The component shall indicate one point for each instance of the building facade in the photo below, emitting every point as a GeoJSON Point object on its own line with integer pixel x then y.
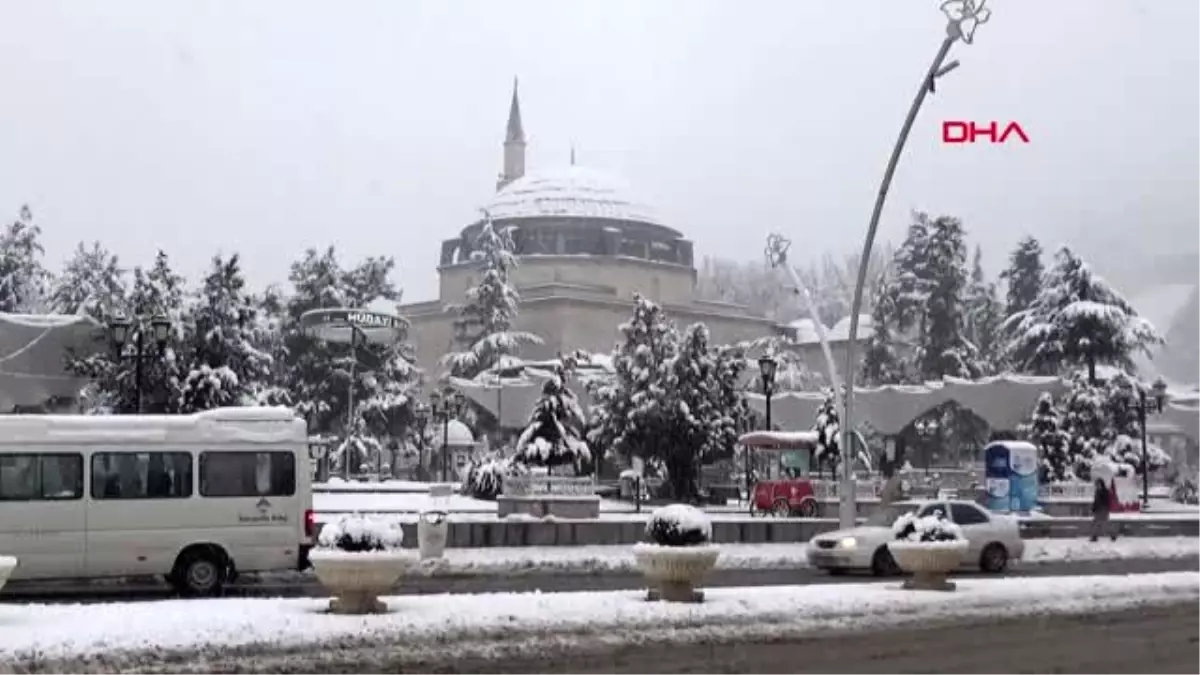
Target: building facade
{"type": "Point", "coordinates": [585, 243]}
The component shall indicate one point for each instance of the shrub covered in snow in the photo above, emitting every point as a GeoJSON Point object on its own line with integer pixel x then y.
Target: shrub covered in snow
{"type": "Point", "coordinates": [485, 478]}
{"type": "Point", "coordinates": [357, 533]}
{"type": "Point", "coordinates": [931, 528]}
{"type": "Point", "coordinates": [679, 525]}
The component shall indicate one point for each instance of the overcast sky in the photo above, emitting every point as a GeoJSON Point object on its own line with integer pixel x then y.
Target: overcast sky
{"type": "Point", "coordinates": [266, 127]}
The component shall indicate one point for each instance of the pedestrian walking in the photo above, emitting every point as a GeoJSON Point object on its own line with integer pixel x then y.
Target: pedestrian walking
{"type": "Point", "coordinates": [1101, 510]}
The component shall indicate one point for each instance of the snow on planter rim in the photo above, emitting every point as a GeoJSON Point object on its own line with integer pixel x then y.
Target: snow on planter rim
{"type": "Point", "coordinates": [904, 544]}
{"type": "Point", "coordinates": [333, 554]}
{"type": "Point", "coordinates": [386, 531]}
{"type": "Point", "coordinates": [686, 518]}
{"type": "Point", "coordinates": [133, 634]}
{"type": "Point", "coordinates": [7, 561]}
{"type": "Point", "coordinates": [679, 551]}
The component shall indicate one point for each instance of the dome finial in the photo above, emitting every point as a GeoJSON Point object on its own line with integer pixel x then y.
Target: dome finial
{"type": "Point", "coordinates": [572, 154]}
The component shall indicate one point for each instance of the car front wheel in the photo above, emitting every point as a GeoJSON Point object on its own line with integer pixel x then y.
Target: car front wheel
{"type": "Point", "coordinates": [994, 559]}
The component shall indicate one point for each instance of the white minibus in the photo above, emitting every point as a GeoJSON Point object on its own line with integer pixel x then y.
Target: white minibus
{"type": "Point", "coordinates": [194, 498]}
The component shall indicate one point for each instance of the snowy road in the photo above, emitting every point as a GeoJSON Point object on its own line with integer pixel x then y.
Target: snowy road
{"type": "Point", "coordinates": [304, 585]}
{"type": "Point", "coordinates": [1143, 640]}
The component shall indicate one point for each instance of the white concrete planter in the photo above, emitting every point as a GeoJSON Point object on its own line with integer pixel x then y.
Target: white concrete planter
{"type": "Point", "coordinates": [929, 562]}
{"type": "Point", "coordinates": [676, 570]}
{"type": "Point", "coordinates": [7, 565]}
{"type": "Point", "coordinates": [356, 580]}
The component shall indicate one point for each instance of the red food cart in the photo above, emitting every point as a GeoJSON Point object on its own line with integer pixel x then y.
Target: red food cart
{"type": "Point", "coordinates": [781, 460]}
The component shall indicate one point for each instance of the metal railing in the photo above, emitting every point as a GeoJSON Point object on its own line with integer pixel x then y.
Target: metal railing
{"type": "Point", "coordinates": [1072, 491]}
{"type": "Point", "coordinates": [829, 489]}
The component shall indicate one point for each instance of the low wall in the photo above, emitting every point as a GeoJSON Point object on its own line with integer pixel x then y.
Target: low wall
{"type": "Point", "coordinates": [746, 531]}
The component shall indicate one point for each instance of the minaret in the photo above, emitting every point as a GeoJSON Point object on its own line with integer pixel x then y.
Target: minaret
{"type": "Point", "coordinates": [514, 143]}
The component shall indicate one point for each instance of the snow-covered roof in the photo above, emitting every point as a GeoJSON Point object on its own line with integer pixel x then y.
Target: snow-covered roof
{"type": "Point", "coordinates": [841, 329]}
{"type": "Point", "coordinates": [457, 435]}
{"type": "Point", "coordinates": [806, 330]}
{"type": "Point", "coordinates": [571, 192]}
{"type": "Point", "coordinates": [242, 425]}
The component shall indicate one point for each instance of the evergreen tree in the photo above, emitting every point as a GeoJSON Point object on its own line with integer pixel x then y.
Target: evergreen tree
{"type": "Point", "coordinates": [628, 415]}
{"type": "Point", "coordinates": [318, 374]}
{"type": "Point", "coordinates": [1077, 319]}
{"type": "Point", "coordinates": [23, 279]}
{"type": "Point", "coordinates": [226, 367]}
{"type": "Point", "coordinates": [484, 326]}
{"type": "Point", "coordinates": [1023, 275]}
{"type": "Point", "coordinates": [1082, 418]}
{"type": "Point", "coordinates": [829, 431]}
{"type": "Point", "coordinates": [1122, 428]}
{"type": "Point", "coordinates": [913, 277]}
{"type": "Point", "coordinates": [156, 293]}
{"type": "Point", "coordinates": [882, 364]}
{"type": "Point", "coordinates": [92, 283]}
{"type": "Point", "coordinates": [1044, 432]}
{"type": "Point", "coordinates": [554, 436]}
{"type": "Point", "coordinates": [984, 318]}
{"type": "Point", "coordinates": [945, 349]}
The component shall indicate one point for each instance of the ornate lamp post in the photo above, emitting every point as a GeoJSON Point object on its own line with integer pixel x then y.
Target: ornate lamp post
{"type": "Point", "coordinates": [926, 429]}
{"type": "Point", "coordinates": [1156, 405]}
{"type": "Point", "coordinates": [421, 419]}
{"type": "Point", "coordinates": [964, 16]}
{"type": "Point", "coordinates": [767, 367]}
{"type": "Point", "coordinates": [445, 405]}
{"type": "Point", "coordinates": [122, 328]}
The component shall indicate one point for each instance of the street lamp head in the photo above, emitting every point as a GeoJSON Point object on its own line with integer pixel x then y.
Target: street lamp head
{"type": "Point", "coordinates": [421, 416]}
{"type": "Point", "coordinates": [965, 16]}
{"type": "Point", "coordinates": [1160, 393]}
{"type": "Point", "coordinates": [457, 403]}
{"type": "Point", "coordinates": [435, 401]}
{"type": "Point", "coordinates": [119, 328]}
{"type": "Point", "coordinates": [767, 365]}
{"type": "Point", "coordinates": [161, 328]}
{"type": "Point", "coordinates": [777, 249]}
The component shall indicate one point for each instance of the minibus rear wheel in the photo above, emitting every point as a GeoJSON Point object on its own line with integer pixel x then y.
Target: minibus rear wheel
{"type": "Point", "coordinates": [200, 571]}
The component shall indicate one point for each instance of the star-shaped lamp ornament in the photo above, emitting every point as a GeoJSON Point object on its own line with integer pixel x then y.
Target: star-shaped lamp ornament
{"type": "Point", "coordinates": [965, 16]}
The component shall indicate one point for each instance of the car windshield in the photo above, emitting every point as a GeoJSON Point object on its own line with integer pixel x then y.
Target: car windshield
{"type": "Point", "coordinates": [885, 516]}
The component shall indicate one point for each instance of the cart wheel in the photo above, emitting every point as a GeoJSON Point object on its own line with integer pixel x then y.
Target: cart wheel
{"type": "Point", "coordinates": [808, 509]}
{"type": "Point", "coordinates": [781, 508]}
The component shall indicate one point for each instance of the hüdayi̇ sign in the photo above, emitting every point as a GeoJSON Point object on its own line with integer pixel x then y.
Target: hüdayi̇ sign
{"type": "Point", "coordinates": [343, 324]}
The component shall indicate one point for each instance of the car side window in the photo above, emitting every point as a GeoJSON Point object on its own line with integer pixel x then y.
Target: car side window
{"type": "Point", "coordinates": [930, 509]}
{"type": "Point", "coordinates": [965, 514]}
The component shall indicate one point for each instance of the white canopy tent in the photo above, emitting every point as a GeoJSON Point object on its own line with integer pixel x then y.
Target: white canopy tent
{"type": "Point", "coordinates": [33, 350]}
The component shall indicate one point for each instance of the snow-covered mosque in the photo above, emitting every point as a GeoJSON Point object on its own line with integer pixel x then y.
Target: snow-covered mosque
{"type": "Point", "coordinates": [586, 242]}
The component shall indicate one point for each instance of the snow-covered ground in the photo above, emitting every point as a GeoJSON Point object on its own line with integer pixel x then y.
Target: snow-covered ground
{"type": "Point", "coordinates": [122, 635]}
{"type": "Point", "coordinates": [336, 484]}
{"type": "Point", "coordinates": [587, 559]}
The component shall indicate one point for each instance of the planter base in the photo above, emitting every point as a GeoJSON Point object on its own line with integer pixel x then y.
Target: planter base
{"type": "Point", "coordinates": [674, 592]}
{"type": "Point", "coordinates": [357, 603]}
{"type": "Point", "coordinates": [929, 581]}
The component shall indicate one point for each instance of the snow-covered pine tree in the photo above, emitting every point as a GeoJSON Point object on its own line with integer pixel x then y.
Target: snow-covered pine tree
{"type": "Point", "coordinates": [316, 394]}
{"type": "Point", "coordinates": [1121, 438]}
{"type": "Point", "coordinates": [113, 389]}
{"type": "Point", "coordinates": [1044, 431]}
{"type": "Point", "coordinates": [945, 348]}
{"type": "Point", "coordinates": [23, 279]}
{"type": "Point", "coordinates": [984, 318]}
{"type": "Point", "coordinates": [555, 433]}
{"type": "Point", "coordinates": [912, 275]}
{"type": "Point", "coordinates": [1077, 320]}
{"type": "Point", "coordinates": [628, 417]}
{"type": "Point", "coordinates": [1023, 275]}
{"type": "Point", "coordinates": [92, 283]}
{"type": "Point", "coordinates": [696, 427]}
{"type": "Point", "coordinates": [882, 363]}
{"type": "Point", "coordinates": [829, 432]}
{"type": "Point", "coordinates": [270, 310]}
{"type": "Point", "coordinates": [484, 326]}
{"type": "Point", "coordinates": [226, 368]}
{"type": "Point", "coordinates": [1082, 418]}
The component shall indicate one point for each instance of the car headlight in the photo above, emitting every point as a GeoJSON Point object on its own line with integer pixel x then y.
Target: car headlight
{"type": "Point", "coordinates": [847, 542]}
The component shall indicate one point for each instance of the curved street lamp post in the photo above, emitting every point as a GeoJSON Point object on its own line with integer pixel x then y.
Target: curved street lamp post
{"type": "Point", "coordinates": [1144, 406]}
{"type": "Point", "coordinates": [964, 16]}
